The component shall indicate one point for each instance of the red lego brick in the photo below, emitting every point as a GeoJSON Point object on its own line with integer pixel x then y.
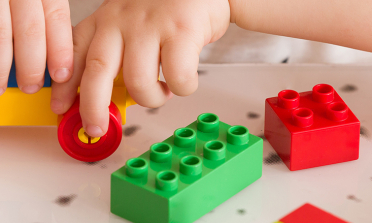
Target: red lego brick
{"type": "Point", "coordinates": [308, 213]}
{"type": "Point", "coordinates": [311, 129]}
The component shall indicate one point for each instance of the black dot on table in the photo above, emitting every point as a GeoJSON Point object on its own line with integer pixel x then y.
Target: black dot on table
{"type": "Point", "coordinates": [65, 200]}
{"type": "Point", "coordinates": [285, 60]}
{"type": "Point", "coordinates": [202, 72]}
{"type": "Point", "coordinates": [253, 115]}
{"type": "Point", "coordinates": [272, 158]}
{"type": "Point", "coordinates": [130, 130]}
{"type": "Point", "coordinates": [353, 197]}
{"type": "Point", "coordinates": [241, 211]}
{"type": "Point", "coordinates": [91, 163]}
{"type": "Point", "coordinates": [152, 111]}
{"type": "Point", "coordinates": [349, 88]}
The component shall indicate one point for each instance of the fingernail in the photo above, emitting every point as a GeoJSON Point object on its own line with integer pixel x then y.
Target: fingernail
{"type": "Point", "coordinates": [30, 89]}
{"type": "Point", "coordinates": [61, 74]}
{"type": "Point", "coordinates": [56, 105]}
{"type": "Point", "coordinates": [2, 90]}
{"type": "Point", "coordinates": [94, 131]}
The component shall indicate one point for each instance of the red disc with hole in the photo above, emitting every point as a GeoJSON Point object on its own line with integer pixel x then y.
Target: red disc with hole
{"type": "Point", "coordinates": [88, 150]}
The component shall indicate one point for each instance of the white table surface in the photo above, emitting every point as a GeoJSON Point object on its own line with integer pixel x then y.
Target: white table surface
{"type": "Point", "coordinates": [39, 183]}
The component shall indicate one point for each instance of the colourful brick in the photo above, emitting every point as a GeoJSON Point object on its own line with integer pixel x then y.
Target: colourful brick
{"type": "Point", "coordinates": [188, 174]}
{"type": "Point", "coordinates": [308, 213]}
{"type": "Point", "coordinates": [311, 129]}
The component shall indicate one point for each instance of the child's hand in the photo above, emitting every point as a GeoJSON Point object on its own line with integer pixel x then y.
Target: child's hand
{"type": "Point", "coordinates": [41, 30]}
{"type": "Point", "coordinates": [137, 36]}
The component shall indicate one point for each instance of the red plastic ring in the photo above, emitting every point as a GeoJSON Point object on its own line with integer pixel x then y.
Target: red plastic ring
{"type": "Point", "coordinates": [337, 111]}
{"type": "Point", "coordinates": [303, 117]}
{"type": "Point", "coordinates": [323, 93]}
{"type": "Point", "coordinates": [68, 135]}
{"type": "Point", "coordinates": [288, 99]}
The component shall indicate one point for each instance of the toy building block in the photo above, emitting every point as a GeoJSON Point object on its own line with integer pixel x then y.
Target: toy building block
{"type": "Point", "coordinates": [12, 81]}
{"type": "Point", "coordinates": [34, 110]}
{"type": "Point", "coordinates": [311, 129]}
{"type": "Point", "coordinates": [310, 214]}
{"type": "Point", "coordinates": [188, 174]}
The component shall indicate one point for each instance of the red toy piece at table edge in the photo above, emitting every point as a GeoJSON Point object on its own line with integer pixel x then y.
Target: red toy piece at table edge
{"type": "Point", "coordinates": [308, 213]}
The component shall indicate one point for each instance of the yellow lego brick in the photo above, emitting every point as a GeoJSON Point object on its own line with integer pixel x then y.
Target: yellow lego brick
{"type": "Point", "coordinates": [18, 108]}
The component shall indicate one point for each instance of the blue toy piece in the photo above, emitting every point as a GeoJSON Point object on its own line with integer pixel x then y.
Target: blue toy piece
{"type": "Point", "coordinates": [12, 82]}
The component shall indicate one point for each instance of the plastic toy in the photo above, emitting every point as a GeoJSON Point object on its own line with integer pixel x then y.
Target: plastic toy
{"type": "Point", "coordinates": [188, 174]}
{"type": "Point", "coordinates": [310, 214]}
{"type": "Point", "coordinates": [34, 110]}
{"type": "Point", "coordinates": [311, 129]}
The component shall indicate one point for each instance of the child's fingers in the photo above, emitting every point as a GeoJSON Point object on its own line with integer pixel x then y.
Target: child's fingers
{"type": "Point", "coordinates": [59, 39]}
{"type": "Point", "coordinates": [63, 95]}
{"type": "Point", "coordinates": [29, 44]}
{"type": "Point", "coordinates": [180, 59]}
{"type": "Point", "coordinates": [6, 44]}
{"type": "Point", "coordinates": [141, 71]}
{"type": "Point", "coordinates": [103, 63]}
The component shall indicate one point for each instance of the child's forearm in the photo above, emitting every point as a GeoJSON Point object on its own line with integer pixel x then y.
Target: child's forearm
{"type": "Point", "coordinates": [342, 22]}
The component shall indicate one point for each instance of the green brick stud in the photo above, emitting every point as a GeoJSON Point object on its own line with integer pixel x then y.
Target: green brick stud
{"type": "Point", "coordinates": [237, 135]}
{"type": "Point", "coordinates": [184, 137]}
{"type": "Point", "coordinates": [208, 122]}
{"type": "Point", "coordinates": [214, 150]}
{"type": "Point", "coordinates": [191, 165]}
{"type": "Point", "coordinates": [136, 167]}
{"type": "Point", "coordinates": [167, 180]}
{"type": "Point", "coordinates": [160, 152]}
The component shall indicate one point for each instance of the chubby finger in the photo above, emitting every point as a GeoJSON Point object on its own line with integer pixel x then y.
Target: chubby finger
{"type": "Point", "coordinates": [64, 94]}
{"type": "Point", "coordinates": [58, 39]}
{"type": "Point", "coordinates": [141, 71]}
{"type": "Point", "coordinates": [6, 44]}
{"type": "Point", "coordinates": [29, 44]}
{"type": "Point", "coordinates": [103, 63]}
{"type": "Point", "coordinates": [179, 60]}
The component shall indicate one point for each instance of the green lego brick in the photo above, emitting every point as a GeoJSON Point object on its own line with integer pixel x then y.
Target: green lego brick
{"type": "Point", "coordinates": [187, 175]}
